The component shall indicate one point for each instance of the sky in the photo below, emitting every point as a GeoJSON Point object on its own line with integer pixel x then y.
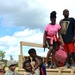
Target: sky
{"type": "Point", "coordinates": [25, 20]}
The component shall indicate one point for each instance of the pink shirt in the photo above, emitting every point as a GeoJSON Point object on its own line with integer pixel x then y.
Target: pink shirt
{"type": "Point", "coordinates": [52, 30]}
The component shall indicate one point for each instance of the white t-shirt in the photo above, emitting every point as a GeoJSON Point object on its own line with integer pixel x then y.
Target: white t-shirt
{"type": "Point", "coordinates": [28, 73]}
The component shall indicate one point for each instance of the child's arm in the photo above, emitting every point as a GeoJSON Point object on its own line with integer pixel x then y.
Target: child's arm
{"type": "Point", "coordinates": [32, 62]}
{"type": "Point", "coordinates": [38, 63]}
{"type": "Point", "coordinates": [60, 37]}
{"type": "Point", "coordinates": [44, 39]}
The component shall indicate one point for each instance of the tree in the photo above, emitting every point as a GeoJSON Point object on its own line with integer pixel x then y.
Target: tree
{"type": "Point", "coordinates": [2, 54]}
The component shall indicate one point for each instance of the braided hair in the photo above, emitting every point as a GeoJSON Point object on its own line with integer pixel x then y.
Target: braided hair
{"type": "Point", "coordinates": [53, 14]}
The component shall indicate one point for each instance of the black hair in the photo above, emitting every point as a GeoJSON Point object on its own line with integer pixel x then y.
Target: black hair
{"type": "Point", "coordinates": [65, 10]}
{"type": "Point", "coordinates": [53, 14]}
{"type": "Point", "coordinates": [32, 50]}
{"type": "Point", "coordinates": [25, 62]}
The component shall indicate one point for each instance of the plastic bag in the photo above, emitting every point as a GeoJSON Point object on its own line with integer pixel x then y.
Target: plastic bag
{"type": "Point", "coordinates": [61, 55]}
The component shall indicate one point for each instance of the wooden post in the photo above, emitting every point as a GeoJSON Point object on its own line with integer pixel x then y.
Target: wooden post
{"type": "Point", "coordinates": [20, 48]}
{"type": "Point", "coordinates": [20, 57]}
{"type": "Point", "coordinates": [72, 70]}
{"type": "Point", "coordinates": [60, 69]}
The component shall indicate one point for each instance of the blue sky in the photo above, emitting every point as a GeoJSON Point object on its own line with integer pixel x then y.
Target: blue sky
{"type": "Point", "coordinates": [24, 20]}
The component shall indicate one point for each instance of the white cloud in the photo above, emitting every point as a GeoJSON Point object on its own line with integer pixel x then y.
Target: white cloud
{"type": "Point", "coordinates": [11, 44]}
{"type": "Point", "coordinates": [14, 51]}
{"type": "Point", "coordinates": [2, 47]}
{"type": "Point", "coordinates": [28, 35]}
{"type": "Point", "coordinates": [26, 13]}
{"type": "Point", "coordinates": [29, 14]}
{"type": "Point", "coordinates": [59, 6]}
{"type": "Point", "coordinates": [32, 14]}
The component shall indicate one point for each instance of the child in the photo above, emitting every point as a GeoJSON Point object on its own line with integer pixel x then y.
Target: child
{"type": "Point", "coordinates": [50, 37]}
{"type": "Point", "coordinates": [68, 35]}
{"type": "Point", "coordinates": [11, 65]}
{"type": "Point", "coordinates": [28, 68]}
{"type": "Point", "coordinates": [39, 68]}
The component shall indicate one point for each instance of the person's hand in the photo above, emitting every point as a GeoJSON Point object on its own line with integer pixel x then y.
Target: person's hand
{"type": "Point", "coordinates": [73, 39]}
{"type": "Point", "coordinates": [62, 44]}
{"type": "Point", "coordinates": [33, 71]}
{"type": "Point", "coordinates": [44, 45]}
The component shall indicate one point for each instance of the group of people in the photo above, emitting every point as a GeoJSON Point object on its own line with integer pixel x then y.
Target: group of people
{"type": "Point", "coordinates": [34, 65]}
{"type": "Point", "coordinates": [11, 68]}
{"type": "Point", "coordinates": [66, 38]}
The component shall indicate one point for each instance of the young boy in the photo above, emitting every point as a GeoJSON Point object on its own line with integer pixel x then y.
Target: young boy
{"type": "Point", "coordinates": [28, 68]}
{"type": "Point", "coordinates": [39, 68]}
{"type": "Point", "coordinates": [68, 35]}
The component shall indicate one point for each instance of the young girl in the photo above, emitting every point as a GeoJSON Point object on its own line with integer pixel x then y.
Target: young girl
{"type": "Point", "coordinates": [50, 37]}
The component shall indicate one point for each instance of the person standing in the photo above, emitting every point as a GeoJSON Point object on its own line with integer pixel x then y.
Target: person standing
{"type": "Point", "coordinates": [50, 37]}
{"type": "Point", "coordinates": [68, 35]}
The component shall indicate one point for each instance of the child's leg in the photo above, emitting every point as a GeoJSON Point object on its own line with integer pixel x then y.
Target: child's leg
{"type": "Point", "coordinates": [48, 54]}
{"type": "Point", "coordinates": [69, 58]}
{"type": "Point", "coordinates": [53, 60]}
{"type": "Point", "coordinates": [72, 51]}
{"type": "Point", "coordinates": [53, 54]}
{"type": "Point", "coordinates": [73, 57]}
{"type": "Point", "coordinates": [50, 47]}
{"type": "Point", "coordinates": [53, 57]}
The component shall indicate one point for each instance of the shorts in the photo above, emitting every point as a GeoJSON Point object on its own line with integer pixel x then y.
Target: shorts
{"type": "Point", "coordinates": [37, 71]}
{"type": "Point", "coordinates": [48, 44]}
{"type": "Point", "coordinates": [69, 47]}
{"type": "Point", "coordinates": [43, 70]}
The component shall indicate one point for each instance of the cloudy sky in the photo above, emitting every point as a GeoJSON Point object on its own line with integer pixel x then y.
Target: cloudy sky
{"type": "Point", "coordinates": [24, 20]}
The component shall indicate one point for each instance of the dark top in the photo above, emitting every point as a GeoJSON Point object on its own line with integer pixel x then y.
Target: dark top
{"type": "Point", "coordinates": [39, 58]}
{"type": "Point", "coordinates": [67, 29]}
{"type": "Point", "coordinates": [42, 67]}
